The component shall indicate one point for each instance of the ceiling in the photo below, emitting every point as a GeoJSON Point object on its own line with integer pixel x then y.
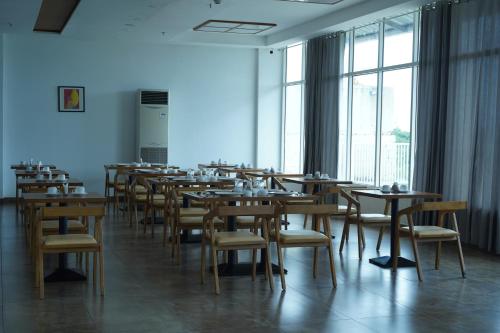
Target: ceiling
{"type": "Point", "coordinates": [172, 21]}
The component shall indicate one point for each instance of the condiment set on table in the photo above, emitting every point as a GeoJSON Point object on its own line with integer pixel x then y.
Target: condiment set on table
{"type": "Point", "coordinates": [395, 188]}
{"type": "Point", "coordinates": [317, 175]}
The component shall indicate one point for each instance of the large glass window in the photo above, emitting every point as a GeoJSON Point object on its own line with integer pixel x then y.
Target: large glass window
{"type": "Point", "coordinates": [293, 120]}
{"type": "Point", "coordinates": [377, 102]}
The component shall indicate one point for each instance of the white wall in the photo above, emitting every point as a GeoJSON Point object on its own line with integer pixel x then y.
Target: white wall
{"type": "Point", "coordinates": [213, 102]}
{"type": "Point", "coordinates": [269, 110]}
{"type": "Point", "coordinates": [1, 112]}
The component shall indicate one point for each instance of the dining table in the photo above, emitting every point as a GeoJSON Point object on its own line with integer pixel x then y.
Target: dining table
{"type": "Point", "coordinates": [24, 178]}
{"type": "Point", "coordinates": [25, 166]}
{"type": "Point", "coordinates": [233, 266]}
{"type": "Point", "coordinates": [273, 179]}
{"type": "Point", "coordinates": [393, 260]}
{"type": "Point", "coordinates": [31, 200]}
{"type": "Point", "coordinates": [313, 185]}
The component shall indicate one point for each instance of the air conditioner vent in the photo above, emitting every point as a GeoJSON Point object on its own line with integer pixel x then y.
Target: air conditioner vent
{"type": "Point", "coordinates": [154, 97]}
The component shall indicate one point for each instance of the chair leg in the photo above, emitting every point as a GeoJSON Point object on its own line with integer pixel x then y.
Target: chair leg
{"type": "Point", "coordinates": [41, 274]}
{"type": "Point", "coordinates": [332, 266]}
{"type": "Point", "coordinates": [87, 264]}
{"type": "Point", "coordinates": [101, 271]}
{"type": "Point", "coordinates": [438, 255]}
{"type": "Point", "coordinates": [380, 236]}
{"type": "Point", "coordinates": [461, 257]}
{"type": "Point", "coordinates": [216, 273]}
{"type": "Point", "coordinates": [305, 221]}
{"type": "Point", "coordinates": [417, 258]}
{"type": "Point", "coordinates": [315, 262]}
{"type": "Point", "coordinates": [136, 219]}
{"type": "Point", "coordinates": [203, 255]}
{"type": "Point", "coordinates": [363, 236]}
{"type": "Point", "coordinates": [360, 242]}
{"type": "Point", "coordinates": [345, 231]}
{"type": "Point", "coordinates": [254, 264]}
{"type": "Point", "coordinates": [281, 263]}
{"type": "Point", "coordinates": [94, 270]}
{"type": "Point", "coordinates": [269, 269]}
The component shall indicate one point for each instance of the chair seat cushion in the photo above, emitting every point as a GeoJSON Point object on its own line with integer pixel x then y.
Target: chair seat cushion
{"type": "Point", "coordinates": [195, 222]}
{"type": "Point", "coordinates": [237, 238]}
{"type": "Point", "coordinates": [373, 218]}
{"type": "Point", "coordinates": [69, 240]}
{"type": "Point", "coordinates": [139, 189]}
{"type": "Point", "coordinates": [54, 225]}
{"type": "Point", "coordinates": [144, 197]}
{"type": "Point", "coordinates": [246, 222]}
{"type": "Point", "coordinates": [193, 211]}
{"type": "Point", "coordinates": [430, 231]}
{"type": "Point", "coordinates": [301, 236]}
{"type": "Point", "coordinates": [120, 187]}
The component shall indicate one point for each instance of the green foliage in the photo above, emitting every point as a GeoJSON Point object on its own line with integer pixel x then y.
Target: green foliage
{"type": "Point", "coordinates": [401, 136]}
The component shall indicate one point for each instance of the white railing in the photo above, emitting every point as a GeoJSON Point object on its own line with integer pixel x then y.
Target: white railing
{"type": "Point", "coordinates": [394, 163]}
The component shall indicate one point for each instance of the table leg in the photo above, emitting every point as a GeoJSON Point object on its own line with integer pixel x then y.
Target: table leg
{"type": "Point", "coordinates": [387, 261]}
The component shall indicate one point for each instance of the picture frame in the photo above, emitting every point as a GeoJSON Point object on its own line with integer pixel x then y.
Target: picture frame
{"type": "Point", "coordinates": [71, 98]}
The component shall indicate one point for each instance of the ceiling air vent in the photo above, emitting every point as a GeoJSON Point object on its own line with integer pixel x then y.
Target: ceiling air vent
{"type": "Point", "coordinates": [154, 97]}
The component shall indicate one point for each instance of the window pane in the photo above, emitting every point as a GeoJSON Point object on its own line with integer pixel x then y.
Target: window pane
{"type": "Point", "coordinates": [366, 47]}
{"type": "Point", "coordinates": [396, 127]}
{"type": "Point", "coordinates": [364, 123]}
{"type": "Point", "coordinates": [293, 122]}
{"type": "Point", "coordinates": [345, 67]}
{"type": "Point", "coordinates": [398, 40]}
{"type": "Point", "coordinates": [342, 165]}
{"type": "Point", "coordinates": [294, 63]}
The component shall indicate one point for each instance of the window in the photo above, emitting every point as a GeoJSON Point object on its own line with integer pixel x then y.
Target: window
{"type": "Point", "coordinates": [293, 119]}
{"type": "Point", "coordinates": [377, 105]}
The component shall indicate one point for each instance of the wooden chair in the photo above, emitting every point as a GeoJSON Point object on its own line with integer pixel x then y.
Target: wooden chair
{"type": "Point", "coordinates": [184, 218]}
{"type": "Point", "coordinates": [71, 243]}
{"type": "Point", "coordinates": [237, 240]}
{"type": "Point", "coordinates": [141, 194]}
{"type": "Point", "coordinates": [307, 238]}
{"type": "Point", "coordinates": [432, 233]}
{"type": "Point", "coordinates": [353, 215]}
{"type": "Point", "coordinates": [120, 187]}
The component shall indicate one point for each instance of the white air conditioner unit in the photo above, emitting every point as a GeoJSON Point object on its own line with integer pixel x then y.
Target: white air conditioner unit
{"type": "Point", "coordinates": [152, 126]}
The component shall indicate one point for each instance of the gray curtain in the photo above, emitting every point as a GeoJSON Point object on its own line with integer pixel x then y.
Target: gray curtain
{"type": "Point", "coordinates": [321, 109]}
{"type": "Point", "coordinates": [458, 136]}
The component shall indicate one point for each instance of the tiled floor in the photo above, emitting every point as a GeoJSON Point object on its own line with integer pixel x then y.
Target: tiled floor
{"type": "Point", "coordinates": [147, 292]}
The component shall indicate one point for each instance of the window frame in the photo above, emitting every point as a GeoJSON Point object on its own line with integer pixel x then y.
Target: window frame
{"type": "Point", "coordinates": [350, 74]}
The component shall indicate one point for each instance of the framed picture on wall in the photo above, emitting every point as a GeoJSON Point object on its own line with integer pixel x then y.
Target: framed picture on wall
{"type": "Point", "coordinates": [71, 99]}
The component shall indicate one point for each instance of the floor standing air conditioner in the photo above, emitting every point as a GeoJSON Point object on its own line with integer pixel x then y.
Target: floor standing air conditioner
{"type": "Point", "coordinates": [152, 126]}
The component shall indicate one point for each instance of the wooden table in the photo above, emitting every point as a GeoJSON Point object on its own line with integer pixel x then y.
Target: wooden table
{"type": "Point", "coordinates": [275, 177]}
{"type": "Point", "coordinates": [24, 166]}
{"type": "Point", "coordinates": [233, 267]}
{"type": "Point", "coordinates": [215, 166]}
{"type": "Point", "coordinates": [313, 185]}
{"type": "Point", "coordinates": [22, 183]}
{"type": "Point", "coordinates": [62, 273]}
{"type": "Point", "coordinates": [393, 259]}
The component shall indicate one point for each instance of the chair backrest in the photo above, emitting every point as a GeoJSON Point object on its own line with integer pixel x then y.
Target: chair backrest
{"type": "Point", "coordinates": [442, 208]}
{"type": "Point", "coordinates": [263, 211]}
{"type": "Point", "coordinates": [56, 212]}
{"type": "Point", "coordinates": [312, 209]}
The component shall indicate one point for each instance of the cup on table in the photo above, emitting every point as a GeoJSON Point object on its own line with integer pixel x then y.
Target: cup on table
{"type": "Point", "coordinates": [317, 175]}
{"type": "Point", "coordinates": [46, 168]}
{"type": "Point", "coordinates": [324, 176]}
{"type": "Point", "coordinates": [61, 176]}
{"type": "Point", "coordinates": [52, 190]}
{"type": "Point", "coordinates": [80, 190]}
{"type": "Point", "coordinates": [308, 176]}
{"type": "Point", "coordinates": [385, 188]}
{"type": "Point", "coordinates": [403, 188]}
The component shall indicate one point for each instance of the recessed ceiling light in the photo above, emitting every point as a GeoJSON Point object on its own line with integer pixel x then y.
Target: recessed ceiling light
{"type": "Point", "coordinates": [322, 2]}
{"type": "Point", "coordinates": [234, 27]}
{"type": "Point", "coordinates": [54, 15]}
